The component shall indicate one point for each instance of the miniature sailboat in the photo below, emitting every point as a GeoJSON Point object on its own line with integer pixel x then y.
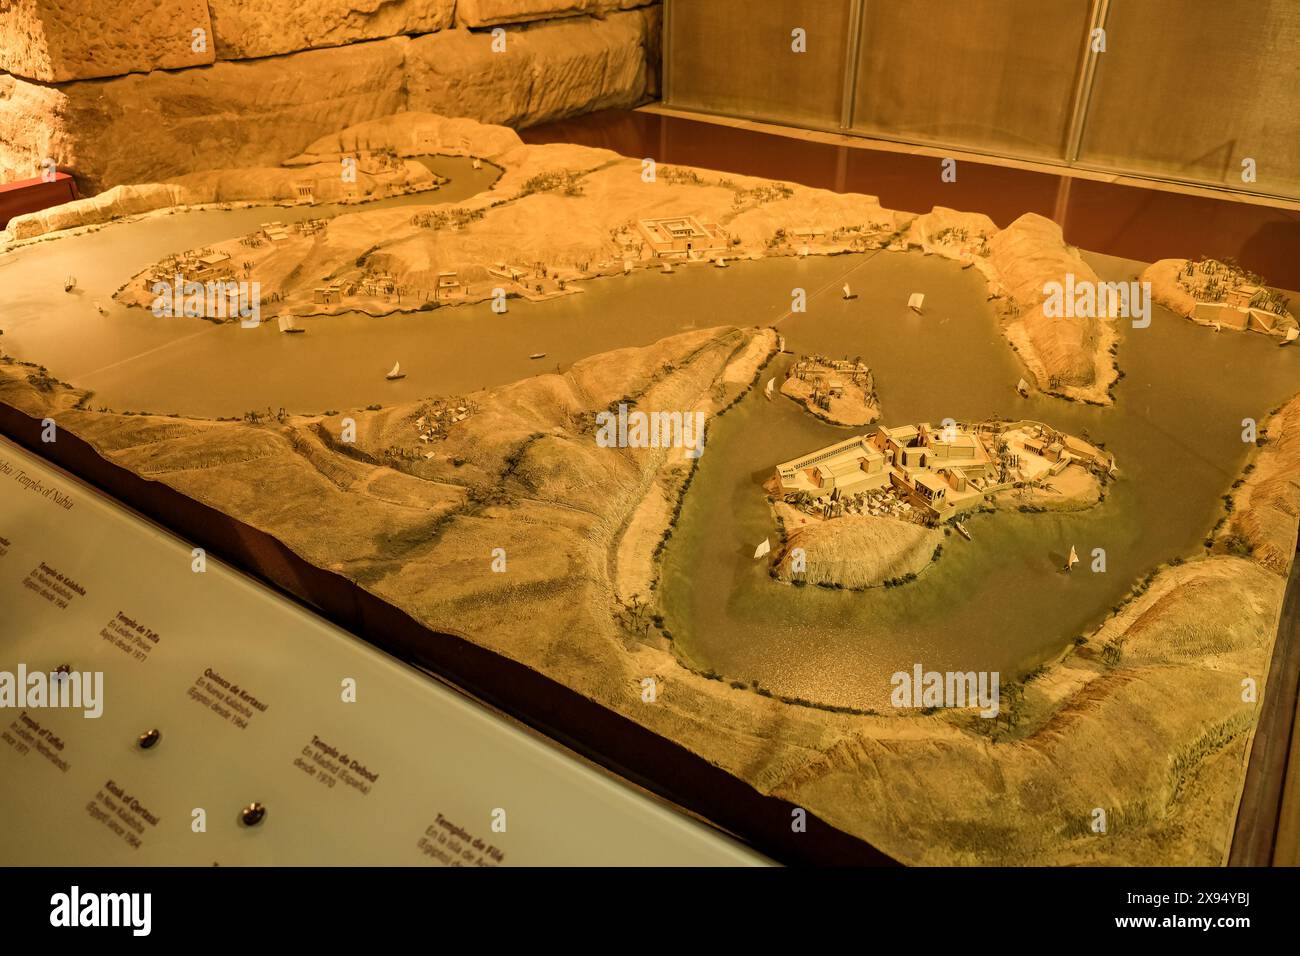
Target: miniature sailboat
{"type": "Point", "coordinates": [720, 262]}
{"type": "Point", "coordinates": [915, 301]}
{"type": "Point", "coordinates": [288, 325]}
{"type": "Point", "coordinates": [961, 530]}
{"type": "Point", "coordinates": [1291, 335]}
{"type": "Point", "coordinates": [849, 293]}
{"type": "Point", "coordinates": [69, 283]}
{"type": "Point", "coordinates": [770, 388]}
{"type": "Point", "coordinates": [763, 548]}
{"type": "Point", "coordinates": [627, 266]}
{"type": "Point", "coordinates": [668, 268]}
{"type": "Point", "coordinates": [478, 163]}
{"type": "Point", "coordinates": [1217, 326]}
{"type": "Point", "coordinates": [780, 343]}
{"type": "Point", "coordinates": [805, 251]}
{"type": "Point", "coordinates": [1023, 388]}
{"type": "Point", "coordinates": [396, 372]}
{"type": "Point", "coordinates": [537, 355]}
{"type": "Point", "coordinates": [1072, 560]}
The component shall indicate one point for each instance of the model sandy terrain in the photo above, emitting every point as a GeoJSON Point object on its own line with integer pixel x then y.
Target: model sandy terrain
{"type": "Point", "coordinates": [1144, 720]}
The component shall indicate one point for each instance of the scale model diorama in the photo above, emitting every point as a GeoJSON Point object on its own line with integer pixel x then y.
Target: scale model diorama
{"type": "Point", "coordinates": [964, 540]}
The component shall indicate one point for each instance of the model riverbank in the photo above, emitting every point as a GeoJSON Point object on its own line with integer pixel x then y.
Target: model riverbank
{"type": "Point", "coordinates": [561, 215]}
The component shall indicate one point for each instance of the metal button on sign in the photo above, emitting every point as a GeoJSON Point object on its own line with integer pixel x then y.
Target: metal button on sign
{"type": "Point", "coordinates": [150, 737]}
{"type": "Point", "coordinates": [252, 815]}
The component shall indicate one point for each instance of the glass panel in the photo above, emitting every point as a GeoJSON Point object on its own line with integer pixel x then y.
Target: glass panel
{"type": "Point", "coordinates": [994, 75]}
{"type": "Point", "coordinates": [1190, 94]}
{"type": "Point", "coordinates": [734, 57]}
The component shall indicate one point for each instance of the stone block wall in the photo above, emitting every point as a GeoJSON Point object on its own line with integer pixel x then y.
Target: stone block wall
{"type": "Point", "coordinates": [125, 91]}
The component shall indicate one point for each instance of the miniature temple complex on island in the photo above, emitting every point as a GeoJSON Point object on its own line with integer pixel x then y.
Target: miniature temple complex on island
{"type": "Point", "coordinates": [938, 472]}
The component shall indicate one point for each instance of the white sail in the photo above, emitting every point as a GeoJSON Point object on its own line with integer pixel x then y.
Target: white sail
{"type": "Point", "coordinates": [915, 301]}
{"type": "Point", "coordinates": [720, 262]}
{"type": "Point", "coordinates": [478, 163]}
{"type": "Point", "coordinates": [1292, 334]}
{"type": "Point", "coordinates": [848, 293]}
{"type": "Point", "coordinates": [286, 323]}
{"type": "Point", "coordinates": [396, 371]}
{"type": "Point", "coordinates": [771, 385]}
{"type": "Point", "coordinates": [1022, 387]}
{"type": "Point", "coordinates": [763, 548]}
{"type": "Point", "coordinates": [1073, 559]}
{"type": "Point", "coordinates": [668, 267]}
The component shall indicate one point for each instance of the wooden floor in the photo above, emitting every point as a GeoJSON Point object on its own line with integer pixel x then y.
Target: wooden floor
{"type": "Point", "coordinates": [1096, 212]}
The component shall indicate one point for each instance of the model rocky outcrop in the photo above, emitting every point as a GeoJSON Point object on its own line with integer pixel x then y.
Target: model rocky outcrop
{"type": "Point", "coordinates": [1067, 354]}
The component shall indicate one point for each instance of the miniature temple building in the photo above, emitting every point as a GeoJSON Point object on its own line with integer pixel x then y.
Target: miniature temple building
{"type": "Point", "coordinates": [681, 236]}
{"type": "Point", "coordinates": [213, 266]}
{"type": "Point", "coordinates": [501, 270]}
{"type": "Point", "coordinates": [449, 284]}
{"type": "Point", "coordinates": [941, 472]}
{"type": "Point", "coordinates": [274, 231]}
{"type": "Point", "coordinates": [328, 295]}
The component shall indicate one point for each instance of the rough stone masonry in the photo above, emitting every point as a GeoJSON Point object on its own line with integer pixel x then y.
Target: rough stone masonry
{"type": "Point", "coordinates": [125, 91]}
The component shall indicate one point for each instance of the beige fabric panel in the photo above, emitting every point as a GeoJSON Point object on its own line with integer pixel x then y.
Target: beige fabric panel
{"type": "Point", "coordinates": [996, 75]}
{"type": "Point", "coordinates": [735, 57]}
{"type": "Point", "coordinates": [1190, 90]}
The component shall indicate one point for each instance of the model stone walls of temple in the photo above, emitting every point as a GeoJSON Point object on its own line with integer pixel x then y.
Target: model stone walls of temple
{"type": "Point", "coordinates": [124, 91]}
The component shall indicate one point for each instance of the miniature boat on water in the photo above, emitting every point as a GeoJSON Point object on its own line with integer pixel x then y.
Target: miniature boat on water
{"type": "Point", "coordinates": [396, 372]}
{"type": "Point", "coordinates": [915, 301]}
{"type": "Point", "coordinates": [1072, 560]}
{"type": "Point", "coordinates": [763, 548]}
{"type": "Point", "coordinates": [780, 343]}
{"type": "Point", "coordinates": [478, 163]}
{"type": "Point", "coordinates": [69, 283]}
{"type": "Point", "coordinates": [627, 266]}
{"type": "Point", "coordinates": [849, 293]}
{"type": "Point", "coordinates": [537, 355]}
{"type": "Point", "coordinates": [961, 530]}
{"type": "Point", "coordinates": [1023, 388]}
{"type": "Point", "coordinates": [1217, 327]}
{"type": "Point", "coordinates": [769, 389]}
{"type": "Point", "coordinates": [288, 326]}
{"type": "Point", "coordinates": [720, 262]}
{"type": "Point", "coordinates": [668, 268]}
{"type": "Point", "coordinates": [1291, 336]}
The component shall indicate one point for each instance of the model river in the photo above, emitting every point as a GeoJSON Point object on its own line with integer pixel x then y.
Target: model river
{"type": "Point", "coordinates": [998, 602]}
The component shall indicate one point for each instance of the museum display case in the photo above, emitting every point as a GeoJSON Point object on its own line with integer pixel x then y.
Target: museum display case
{"type": "Point", "coordinates": [697, 433]}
